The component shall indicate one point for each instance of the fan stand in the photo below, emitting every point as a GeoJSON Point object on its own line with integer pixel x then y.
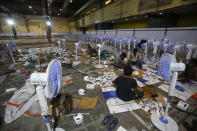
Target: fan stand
{"type": "Point", "coordinates": [189, 54]}
{"type": "Point", "coordinates": [99, 52]}
{"type": "Point", "coordinates": [40, 80]}
{"type": "Point", "coordinates": [165, 122]}
{"type": "Point", "coordinates": [12, 56]}
{"type": "Point", "coordinates": [145, 53]}
{"type": "Point", "coordinates": [60, 49]}
{"type": "Point", "coordinates": [154, 58]}
{"type": "Point", "coordinates": [129, 50]}
{"type": "Point", "coordinates": [76, 62]}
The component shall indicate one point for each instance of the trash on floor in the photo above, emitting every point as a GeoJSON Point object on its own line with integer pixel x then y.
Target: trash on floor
{"type": "Point", "coordinates": [120, 128]}
{"type": "Point", "coordinates": [10, 89]}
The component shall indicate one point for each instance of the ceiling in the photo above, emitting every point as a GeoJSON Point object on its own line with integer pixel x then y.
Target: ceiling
{"type": "Point", "coordinates": [57, 8]}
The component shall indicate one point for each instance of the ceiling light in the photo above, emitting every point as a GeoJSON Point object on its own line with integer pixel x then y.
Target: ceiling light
{"type": "Point", "coordinates": [160, 13]}
{"type": "Point", "coordinates": [71, 1]}
{"type": "Point", "coordinates": [60, 9]}
{"type": "Point", "coordinates": [107, 2]}
{"type": "Point", "coordinates": [10, 22]}
{"type": "Point", "coordinates": [58, 14]}
{"type": "Point", "coordinates": [34, 12]}
{"type": "Point", "coordinates": [30, 7]}
{"type": "Point", "coordinates": [48, 23]}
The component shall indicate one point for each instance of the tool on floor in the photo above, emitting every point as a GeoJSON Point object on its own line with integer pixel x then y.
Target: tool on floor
{"type": "Point", "coordinates": [168, 68]}
{"type": "Point", "coordinates": [47, 86]}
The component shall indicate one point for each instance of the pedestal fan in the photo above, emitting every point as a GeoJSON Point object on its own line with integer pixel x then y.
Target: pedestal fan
{"type": "Point", "coordinates": [168, 69]}
{"type": "Point", "coordinates": [129, 48]}
{"type": "Point", "coordinates": [99, 55]}
{"type": "Point", "coordinates": [47, 86]}
{"type": "Point", "coordinates": [11, 46]}
{"type": "Point", "coordinates": [145, 47]}
{"type": "Point", "coordinates": [77, 46]}
{"type": "Point", "coordinates": [164, 45]}
{"type": "Point", "coordinates": [188, 49]}
{"type": "Point", "coordinates": [64, 43]}
{"type": "Point", "coordinates": [60, 48]}
{"type": "Point", "coordinates": [154, 45]}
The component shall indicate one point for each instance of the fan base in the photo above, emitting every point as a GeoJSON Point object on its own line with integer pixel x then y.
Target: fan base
{"type": "Point", "coordinates": [170, 126]}
{"type": "Point", "coordinates": [59, 129]}
{"type": "Point", "coordinates": [99, 66]}
{"type": "Point", "coordinates": [75, 63]}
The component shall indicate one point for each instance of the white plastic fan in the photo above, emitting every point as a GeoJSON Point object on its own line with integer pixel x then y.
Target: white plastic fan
{"type": "Point", "coordinates": [168, 69]}
{"type": "Point", "coordinates": [145, 47]}
{"type": "Point", "coordinates": [176, 49]}
{"type": "Point", "coordinates": [60, 48]}
{"type": "Point", "coordinates": [64, 43]}
{"type": "Point", "coordinates": [120, 45]}
{"type": "Point", "coordinates": [164, 45]}
{"type": "Point", "coordinates": [77, 46]}
{"type": "Point", "coordinates": [47, 86]}
{"type": "Point", "coordinates": [154, 45]}
{"type": "Point", "coordinates": [134, 43]}
{"type": "Point", "coordinates": [99, 55]}
{"type": "Point", "coordinates": [129, 49]}
{"type": "Point", "coordinates": [11, 46]}
{"type": "Point", "coordinates": [188, 49]}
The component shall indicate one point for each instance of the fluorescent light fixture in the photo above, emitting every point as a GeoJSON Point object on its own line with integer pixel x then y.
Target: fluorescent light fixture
{"type": "Point", "coordinates": [48, 23]}
{"type": "Point", "coordinates": [107, 2]}
{"type": "Point", "coordinates": [10, 22]}
{"type": "Point", "coordinates": [30, 7]}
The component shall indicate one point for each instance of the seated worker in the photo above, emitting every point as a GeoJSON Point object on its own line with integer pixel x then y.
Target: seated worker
{"type": "Point", "coordinates": [103, 54]}
{"type": "Point", "coordinates": [126, 87]}
{"type": "Point", "coordinates": [134, 57]}
{"type": "Point", "coordinates": [91, 51]}
{"type": "Point", "coordinates": [190, 72]}
{"type": "Point", "coordinates": [120, 60]}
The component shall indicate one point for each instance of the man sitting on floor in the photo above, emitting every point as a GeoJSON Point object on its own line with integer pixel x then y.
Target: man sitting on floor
{"type": "Point", "coordinates": [190, 72]}
{"type": "Point", "coordinates": [120, 60]}
{"type": "Point", "coordinates": [127, 86]}
{"type": "Point", "coordinates": [91, 51]}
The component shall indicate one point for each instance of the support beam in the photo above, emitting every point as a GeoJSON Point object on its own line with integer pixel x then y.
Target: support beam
{"type": "Point", "coordinates": [27, 25]}
{"type": "Point", "coordinates": [1, 30]}
{"type": "Point", "coordinates": [9, 11]}
{"type": "Point", "coordinates": [14, 31]}
{"type": "Point", "coordinates": [83, 8]}
{"type": "Point", "coordinates": [48, 28]}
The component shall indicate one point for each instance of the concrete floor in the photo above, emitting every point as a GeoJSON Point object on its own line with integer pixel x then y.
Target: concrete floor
{"type": "Point", "coordinates": [92, 122]}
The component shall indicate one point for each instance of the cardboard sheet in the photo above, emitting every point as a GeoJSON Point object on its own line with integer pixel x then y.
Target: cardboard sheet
{"type": "Point", "coordinates": [84, 102]}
